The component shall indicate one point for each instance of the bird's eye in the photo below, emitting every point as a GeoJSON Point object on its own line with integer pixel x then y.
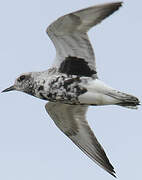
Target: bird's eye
{"type": "Point", "coordinates": [21, 78]}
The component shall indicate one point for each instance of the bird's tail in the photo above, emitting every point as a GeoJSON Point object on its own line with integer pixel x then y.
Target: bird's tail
{"type": "Point", "coordinates": [125, 100]}
{"type": "Point", "coordinates": [98, 93]}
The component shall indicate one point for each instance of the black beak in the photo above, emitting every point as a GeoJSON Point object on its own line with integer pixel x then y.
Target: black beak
{"type": "Point", "coordinates": [11, 88]}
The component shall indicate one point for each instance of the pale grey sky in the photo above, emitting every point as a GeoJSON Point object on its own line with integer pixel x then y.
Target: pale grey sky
{"type": "Point", "coordinates": [31, 146]}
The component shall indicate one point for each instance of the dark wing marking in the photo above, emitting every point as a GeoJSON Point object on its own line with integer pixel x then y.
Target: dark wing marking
{"type": "Point", "coordinates": [71, 121]}
{"type": "Point", "coordinates": [76, 66]}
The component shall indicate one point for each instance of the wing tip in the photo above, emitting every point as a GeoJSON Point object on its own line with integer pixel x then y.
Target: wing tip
{"type": "Point", "coordinates": [110, 169]}
{"type": "Point", "coordinates": [113, 173]}
{"type": "Point", "coordinates": [119, 4]}
{"type": "Point", "coordinates": [116, 5]}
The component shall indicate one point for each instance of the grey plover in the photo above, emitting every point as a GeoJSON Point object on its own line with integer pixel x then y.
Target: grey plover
{"type": "Point", "coordinates": [72, 83]}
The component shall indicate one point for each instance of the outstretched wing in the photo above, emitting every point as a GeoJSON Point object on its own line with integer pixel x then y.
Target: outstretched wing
{"type": "Point", "coordinates": [71, 121]}
{"type": "Point", "coordinates": [69, 35]}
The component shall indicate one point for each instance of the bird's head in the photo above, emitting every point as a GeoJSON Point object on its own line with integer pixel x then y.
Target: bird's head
{"type": "Point", "coordinates": [24, 83]}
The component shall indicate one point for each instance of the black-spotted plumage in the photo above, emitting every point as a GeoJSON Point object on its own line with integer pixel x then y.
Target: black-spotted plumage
{"type": "Point", "coordinates": [63, 88]}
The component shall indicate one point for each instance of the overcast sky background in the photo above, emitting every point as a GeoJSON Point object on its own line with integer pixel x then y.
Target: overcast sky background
{"type": "Point", "coordinates": [31, 146]}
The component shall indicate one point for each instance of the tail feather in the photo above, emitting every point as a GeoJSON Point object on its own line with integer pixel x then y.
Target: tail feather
{"type": "Point", "coordinates": [126, 100]}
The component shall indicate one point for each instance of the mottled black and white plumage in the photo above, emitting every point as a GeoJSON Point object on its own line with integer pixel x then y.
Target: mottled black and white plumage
{"type": "Point", "coordinates": [72, 84]}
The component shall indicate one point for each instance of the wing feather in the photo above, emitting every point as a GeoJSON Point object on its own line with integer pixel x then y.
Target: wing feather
{"type": "Point", "coordinates": [69, 33]}
{"type": "Point", "coordinates": [71, 120]}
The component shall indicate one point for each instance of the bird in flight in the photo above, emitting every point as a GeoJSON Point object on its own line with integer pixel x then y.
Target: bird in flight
{"type": "Point", "coordinates": [72, 83]}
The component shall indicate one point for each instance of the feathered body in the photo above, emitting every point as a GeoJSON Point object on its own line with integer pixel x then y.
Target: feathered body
{"type": "Point", "coordinates": [56, 86]}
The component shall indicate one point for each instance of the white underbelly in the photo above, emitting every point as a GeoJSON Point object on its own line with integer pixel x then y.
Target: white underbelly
{"type": "Point", "coordinates": [97, 93]}
{"type": "Point", "coordinates": [96, 99]}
